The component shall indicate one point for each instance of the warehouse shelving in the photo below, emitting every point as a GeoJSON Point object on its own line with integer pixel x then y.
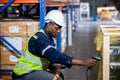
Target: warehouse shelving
{"type": "Point", "coordinates": [6, 3]}
{"type": "Point", "coordinates": [47, 2]}
{"type": "Point", "coordinates": [43, 4]}
{"type": "Point", "coordinates": [20, 1]}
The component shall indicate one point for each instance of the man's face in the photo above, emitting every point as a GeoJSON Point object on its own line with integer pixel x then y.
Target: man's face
{"type": "Point", "coordinates": [53, 29]}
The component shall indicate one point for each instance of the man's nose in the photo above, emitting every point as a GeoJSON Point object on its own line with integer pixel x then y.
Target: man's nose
{"type": "Point", "coordinates": [58, 30]}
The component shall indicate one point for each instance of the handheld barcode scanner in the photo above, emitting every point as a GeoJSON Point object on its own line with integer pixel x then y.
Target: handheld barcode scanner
{"type": "Point", "coordinates": [96, 58]}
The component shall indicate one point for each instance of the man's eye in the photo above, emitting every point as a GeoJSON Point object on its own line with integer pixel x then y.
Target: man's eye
{"type": "Point", "coordinates": [56, 28]}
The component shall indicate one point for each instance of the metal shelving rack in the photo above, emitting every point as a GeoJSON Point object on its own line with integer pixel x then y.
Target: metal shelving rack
{"type": "Point", "coordinates": [43, 4]}
{"type": "Point", "coordinates": [7, 3]}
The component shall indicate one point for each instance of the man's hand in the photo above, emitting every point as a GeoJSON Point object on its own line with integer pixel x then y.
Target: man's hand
{"type": "Point", "coordinates": [87, 63]}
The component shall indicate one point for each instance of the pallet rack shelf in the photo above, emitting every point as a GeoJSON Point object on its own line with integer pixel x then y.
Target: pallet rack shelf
{"type": "Point", "coordinates": [7, 3]}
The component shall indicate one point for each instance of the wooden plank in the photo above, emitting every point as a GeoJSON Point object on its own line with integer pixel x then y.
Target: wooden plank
{"type": "Point", "coordinates": [106, 57]}
{"type": "Point", "coordinates": [108, 31]}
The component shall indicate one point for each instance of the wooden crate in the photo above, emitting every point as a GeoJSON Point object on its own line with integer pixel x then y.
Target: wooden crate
{"type": "Point", "coordinates": [108, 32]}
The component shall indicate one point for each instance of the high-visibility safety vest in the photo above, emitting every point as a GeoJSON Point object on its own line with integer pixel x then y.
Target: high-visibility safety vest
{"type": "Point", "coordinates": [29, 62]}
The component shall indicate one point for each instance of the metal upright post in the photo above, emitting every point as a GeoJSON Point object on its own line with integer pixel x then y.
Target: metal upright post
{"type": "Point", "coordinates": [67, 8]}
{"type": "Point", "coordinates": [42, 13]}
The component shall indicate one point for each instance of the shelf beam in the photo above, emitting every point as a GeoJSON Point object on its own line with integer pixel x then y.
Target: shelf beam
{"type": "Point", "coordinates": [20, 1]}
{"type": "Point", "coordinates": [48, 2]}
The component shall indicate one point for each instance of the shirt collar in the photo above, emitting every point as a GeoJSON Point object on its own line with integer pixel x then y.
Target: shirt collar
{"type": "Point", "coordinates": [46, 32]}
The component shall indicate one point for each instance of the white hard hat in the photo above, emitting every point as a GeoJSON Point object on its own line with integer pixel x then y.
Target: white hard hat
{"type": "Point", "coordinates": [55, 16]}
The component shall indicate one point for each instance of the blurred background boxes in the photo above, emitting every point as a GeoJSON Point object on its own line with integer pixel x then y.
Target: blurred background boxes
{"type": "Point", "coordinates": [107, 13]}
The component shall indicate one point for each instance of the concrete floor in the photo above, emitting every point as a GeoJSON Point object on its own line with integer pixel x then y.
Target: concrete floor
{"type": "Point", "coordinates": [83, 47]}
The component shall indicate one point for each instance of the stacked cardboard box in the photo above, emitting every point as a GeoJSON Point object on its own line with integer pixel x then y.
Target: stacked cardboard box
{"type": "Point", "coordinates": [16, 32]}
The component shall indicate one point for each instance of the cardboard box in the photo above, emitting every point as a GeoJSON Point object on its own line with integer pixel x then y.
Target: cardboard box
{"type": "Point", "coordinates": [18, 42]}
{"type": "Point", "coordinates": [6, 75]}
{"type": "Point", "coordinates": [7, 66]}
{"type": "Point", "coordinates": [13, 28]}
{"type": "Point", "coordinates": [18, 27]}
{"type": "Point", "coordinates": [8, 56]}
{"type": "Point", "coordinates": [32, 27]}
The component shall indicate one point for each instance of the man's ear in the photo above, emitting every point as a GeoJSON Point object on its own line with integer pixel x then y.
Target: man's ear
{"type": "Point", "coordinates": [48, 26]}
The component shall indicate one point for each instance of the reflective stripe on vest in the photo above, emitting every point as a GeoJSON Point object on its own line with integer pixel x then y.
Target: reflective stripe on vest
{"type": "Point", "coordinates": [24, 67]}
{"type": "Point", "coordinates": [32, 59]}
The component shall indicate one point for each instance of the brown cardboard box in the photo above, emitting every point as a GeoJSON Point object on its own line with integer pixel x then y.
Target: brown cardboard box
{"type": "Point", "coordinates": [18, 42]}
{"type": "Point", "coordinates": [13, 28]}
{"type": "Point", "coordinates": [8, 56]}
{"type": "Point", "coordinates": [32, 27]}
{"type": "Point", "coordinates": [18, 27]}
{"type": "Point", "coordinates": [7, 66]}
{"type": "Point", "coordinates": [6, 75]}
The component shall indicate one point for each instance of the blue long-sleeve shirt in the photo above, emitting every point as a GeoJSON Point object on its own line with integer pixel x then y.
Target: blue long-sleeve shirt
{"type": "Point", "coordinates": [43, 45]}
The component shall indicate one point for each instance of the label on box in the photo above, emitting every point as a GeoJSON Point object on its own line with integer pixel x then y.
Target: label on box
{"type": "Point", "coordinates": [13, 58]}
{"type": "Point", "coordinates": [15, 42]}
{"type": "Point", "coordinates": [13, 29]}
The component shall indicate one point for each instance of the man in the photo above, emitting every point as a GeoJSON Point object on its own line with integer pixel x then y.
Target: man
{"type": "Point", "coordinates": [41, 58]}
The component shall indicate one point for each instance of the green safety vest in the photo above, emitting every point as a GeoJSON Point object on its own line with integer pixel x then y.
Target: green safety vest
{"type": "Point", "coordinates": [29, 62]}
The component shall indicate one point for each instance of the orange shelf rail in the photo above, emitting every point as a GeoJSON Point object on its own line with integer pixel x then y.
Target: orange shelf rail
{"type": "Point", "coordinates": [20, 1]}
{"type": "Point", "coordinates": [47, 3]}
